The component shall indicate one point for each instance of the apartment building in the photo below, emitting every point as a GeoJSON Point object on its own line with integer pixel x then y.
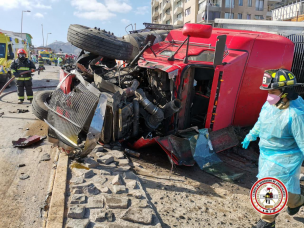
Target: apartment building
{"type": "Point", "coordinates": [177, 12]}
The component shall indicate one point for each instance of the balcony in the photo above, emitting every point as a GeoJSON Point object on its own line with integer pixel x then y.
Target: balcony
{"type": "Point", "coordinates": [155, 14]}
{"type": "Point", "coordinates": [178, 9]}
{"type": "Point", "coordinates": [178, 21]}
{"type": "Point", "coordinates": [167, 5]}
{"type": "Point", "coordinates": [166, 17]}
{"type": "Point", "coordinates": [274, 1]}
{"type": "Point", "coordinates": [215, 6]}
{"type": "Point", "coordinates": [155, 3]}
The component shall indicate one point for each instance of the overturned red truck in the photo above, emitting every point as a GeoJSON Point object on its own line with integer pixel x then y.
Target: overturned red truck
{"type": "Point", "coordinates": [178, 78]}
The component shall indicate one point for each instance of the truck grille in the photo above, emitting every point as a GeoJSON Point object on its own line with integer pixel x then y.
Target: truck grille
{"type": "Point", "coordinates": [71, 113]}
{"type": "Point", "coordinates": [298, 60]}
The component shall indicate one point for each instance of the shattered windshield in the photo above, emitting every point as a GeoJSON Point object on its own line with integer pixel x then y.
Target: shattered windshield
{"type": "Point", "coordinates": [167, 53]}
{"type": "Point", "coordinates": [2, 50]}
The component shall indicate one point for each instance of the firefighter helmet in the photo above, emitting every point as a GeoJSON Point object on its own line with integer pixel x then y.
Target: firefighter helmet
{"type": "Point", "coordinates": [21, 51]}
{"type": "Point", "coordinates": [278, 79]}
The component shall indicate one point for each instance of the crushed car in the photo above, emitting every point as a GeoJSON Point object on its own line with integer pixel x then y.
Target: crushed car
{"type": "Point", "coordinates": [174, 79]}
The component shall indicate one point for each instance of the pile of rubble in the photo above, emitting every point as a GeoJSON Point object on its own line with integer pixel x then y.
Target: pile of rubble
{"type": "Point", "coordinates": [105, 192]}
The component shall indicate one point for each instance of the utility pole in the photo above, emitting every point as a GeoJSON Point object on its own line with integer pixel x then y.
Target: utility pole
{"type": "Point", "coordinates": [26, 11]}
{"type": "Point", "coordinates": [230, 8]}
{"type": "Point", "coordinates": [47, 36]}
{"type": "Point", "coordinates": [42, 35]}
{"type": "Point", "coordinates": [207, 16]}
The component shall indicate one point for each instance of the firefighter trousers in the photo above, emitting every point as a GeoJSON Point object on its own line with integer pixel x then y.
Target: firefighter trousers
{"type": "Point", "coordinates": [28, 87]}
{"type": "Point", "coordinates": [294, 200]}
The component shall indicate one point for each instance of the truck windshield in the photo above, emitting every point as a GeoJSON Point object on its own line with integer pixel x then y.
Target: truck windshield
{"type": "Point", "coordinates": [45, 55]}
{"type": "Point", "coordinates": [2, 50]}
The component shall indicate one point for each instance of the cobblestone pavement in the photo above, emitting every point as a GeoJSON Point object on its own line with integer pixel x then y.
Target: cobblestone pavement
{"type": "Point", "coordinates": [104, 192]}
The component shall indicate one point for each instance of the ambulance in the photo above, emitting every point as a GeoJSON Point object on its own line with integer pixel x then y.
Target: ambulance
{"type": "Point", "coordinates": [9, 45]}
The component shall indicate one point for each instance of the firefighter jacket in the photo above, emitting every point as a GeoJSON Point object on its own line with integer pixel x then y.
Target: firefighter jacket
{"type": "Point", "coordinates": [19, 66]}
{"type": "Point", "coordinates": [40, 61]}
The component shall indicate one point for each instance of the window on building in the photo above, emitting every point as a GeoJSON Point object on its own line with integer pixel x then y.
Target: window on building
{"type": "Point", "coordinates": [168, 11]}
{"type": "Point", "coordinates": [160, 16]}
{"type": "Point", "coordinates": [213, 15]}
{"type": "Point", "coordinates": [240, 2]}
{"type": "Point", "coordinates": [168, 22]}
{"type": "Point", "coordinates": [229, 4]}
{"type": "Point", "coordinates": [258, 17]}
{"type": "Point", "coordinates": [249, 3]}
{"type": "Point", "coordinates": [201, 6]}
{"type": "Point", "coordinates": [187, 12]}
{"type": "Point", "coordinates": [179, 4]}
{"type": "Point", "coordinates": [160, 6]}
{"type": "Point", "coordinates": [229, 16]}
{"type": "Point", "coordinates": [248, 16]}
{"type": "Point", "coordinates": [240, 16]}
{"type": "Point", "coordinates": [187, 1]}
{"type": "Point", "coordinates": [179, 16]}
{"type": "Point", "coordinates": [156, 8]}
{"type": "Point", "coordinates": [259, 5]}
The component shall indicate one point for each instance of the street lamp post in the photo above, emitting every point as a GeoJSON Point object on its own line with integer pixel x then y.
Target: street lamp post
{"type": "Point", "coordinates": [42, 34]}
{"type": "Point", "coordinates": [47, 35]}
{"type": "Point", "coordinates": [26, 11]}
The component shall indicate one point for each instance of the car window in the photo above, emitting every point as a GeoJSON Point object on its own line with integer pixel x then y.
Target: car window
{"type": "Point", "coordinates": [2, 50]}
{"type": "Point", "coordinates": [206, 56]}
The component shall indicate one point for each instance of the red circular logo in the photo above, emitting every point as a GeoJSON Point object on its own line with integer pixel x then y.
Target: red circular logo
{"type": "Point", "coordinates": [269, 196]}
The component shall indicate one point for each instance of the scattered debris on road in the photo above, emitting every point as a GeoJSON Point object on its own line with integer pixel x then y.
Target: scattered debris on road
{"type": "Point", "coordinates": [24, 176]}
{"type": "Point", "coordinates": [19, 111]}
{"type": "Point", "coordinates": [45, 157]}
{"type": "Point", "coordinates": [132, 153]}
{"type": "Point", "coordinates": [24, 142]}
{"type": "Point", "coordinates": [21, 165]}
{"type": "Point", "coordinates": [1, 114]}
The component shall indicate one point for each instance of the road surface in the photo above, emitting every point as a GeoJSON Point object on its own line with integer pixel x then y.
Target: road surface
{"type": "Point", "coordinates": [21, 200]}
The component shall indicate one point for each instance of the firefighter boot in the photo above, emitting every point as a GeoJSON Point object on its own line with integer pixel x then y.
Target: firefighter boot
{"type": "Point", "coordinates": [262, 224]}
{"type": "Point", "coordinates": [293, 211]}
{"type": "Point", "coordinates": [20, 102]}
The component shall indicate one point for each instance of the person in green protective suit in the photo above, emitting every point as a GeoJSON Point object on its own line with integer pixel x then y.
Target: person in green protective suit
{"type": "Point", "coordinates": [280, 128]}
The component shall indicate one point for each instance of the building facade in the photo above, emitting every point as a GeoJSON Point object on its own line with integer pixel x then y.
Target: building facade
{"type": "Point", "coordinates": [178, 12]}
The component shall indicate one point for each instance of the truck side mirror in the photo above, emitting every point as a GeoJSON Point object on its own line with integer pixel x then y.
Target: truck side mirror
{"type": "Point", "coordinates": [197, 30]}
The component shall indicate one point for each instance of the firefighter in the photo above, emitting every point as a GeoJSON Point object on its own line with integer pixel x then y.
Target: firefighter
{"type": "Point", "coordinates": [19, 65]}
{"type": "Point", "coordinates": [41, 63]}
{"type": "Point", "coordinates": [60, 61]}
{"type": "Point", "coordinates": [280, 129]}
{"type": "Point", "coordinates": [55, 60]}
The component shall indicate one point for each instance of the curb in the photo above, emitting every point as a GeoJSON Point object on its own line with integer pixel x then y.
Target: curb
{"type": "Point", "coordinates": [57, 205]}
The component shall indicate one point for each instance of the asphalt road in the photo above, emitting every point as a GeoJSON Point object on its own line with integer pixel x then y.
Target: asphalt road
{"type": "Point", "coordinates": [21, 200]}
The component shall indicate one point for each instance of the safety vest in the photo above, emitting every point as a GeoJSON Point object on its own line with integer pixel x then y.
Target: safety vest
{"type": "Point", "coordinates": [40, 61]}
{"type": "Point", "coordinates": [18, 67]}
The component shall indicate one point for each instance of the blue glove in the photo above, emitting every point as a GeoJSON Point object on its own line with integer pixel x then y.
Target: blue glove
{"type": "Point", "coordinates": [245, 143]}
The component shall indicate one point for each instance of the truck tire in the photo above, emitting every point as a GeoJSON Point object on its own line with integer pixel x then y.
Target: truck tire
{"type": "Point", "coordinates": [39, 108]}
{"type": "Point", "coordinates": [99, 42]}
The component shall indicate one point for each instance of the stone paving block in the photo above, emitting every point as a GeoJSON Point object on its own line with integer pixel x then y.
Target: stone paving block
{"type": "Point", "coordinates": [129, 175]}
{"type": "Point", "coordinates": [104, 190]}
{"type": "Point", "coordinates": [106, 159]}
{"type": "Point", "coordinates": [88, 188]}
{"type": "Point", "coordinates": [83, 173]}
{"type": "Point", "coordinates": [123, 168]}
{"type": "Point", "coordinates": [100, 154]}
{"type": "Point", "coordinates": [135, 193]}
{"type": "Point", "coordinates": [76, 212]}
{"type": "Point", "coordinates": [104, 216]}
{"type": "Point", "coordinates": [109, 166]}
{"type": "Point", "coordinates": [78, 223]}
{"type": "Point", "coordinates": [139, 215]}
{"type": "Point", "coordinates": [98, 148]}
{"type": "Point", "coordinates": [113, 202]}
{"type": "Point", "coordinates": [117, 154]}
{"type": "Point", "coordinates": [132, 184]}
{"type": "Point", "coordinates": [123, 162]}
{"type": "Point", "coordinates": [78, 199]}
{"type": "Point", "coordinates": [138, 203]}
{"type": "Point", "coordinates": [105, 172]}
{"type": "Point", "coordinates": [98, 179]}
{"type": "Point", "coordinates": [77, 180]}
{"type": "Point", "coordinates": [118, 189]}
{"type": "Point", "coordinates": [95, 202]}
{"type": "Point", "coordinates": [117, 180]}
{"type": "Point", "coordinates": [91, 163]}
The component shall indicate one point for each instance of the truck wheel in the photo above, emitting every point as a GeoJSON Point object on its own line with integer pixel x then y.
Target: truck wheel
{"type": "Point", "coordinates": [39, 108]}
{"type": "Point", "coordinates": [99, 42]}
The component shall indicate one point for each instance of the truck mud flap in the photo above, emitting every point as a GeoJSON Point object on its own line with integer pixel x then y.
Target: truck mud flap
{"type": "Point", "coordinates": [223, 139]}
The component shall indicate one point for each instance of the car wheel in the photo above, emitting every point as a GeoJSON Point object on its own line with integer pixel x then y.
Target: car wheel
{"type": "Point", "coordinates": [99, 42]}
{"type": "Point", "coordinates": [40, 110]}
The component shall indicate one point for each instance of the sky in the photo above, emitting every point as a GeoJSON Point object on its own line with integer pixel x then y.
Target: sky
{"type": "Point", "coordinates": [57, 15]}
